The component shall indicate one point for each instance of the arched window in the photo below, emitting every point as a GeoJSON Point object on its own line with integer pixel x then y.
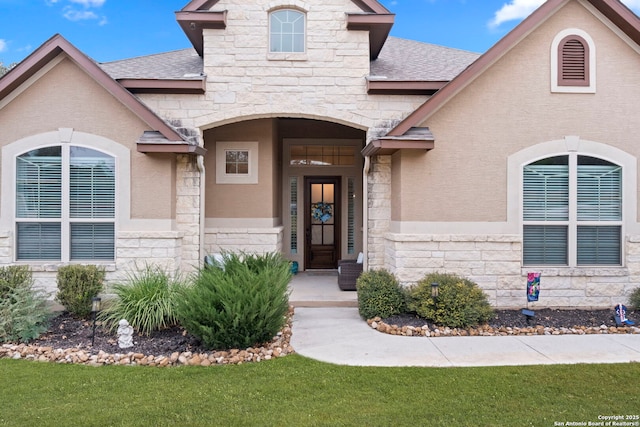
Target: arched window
{"type": "Point", "coordinates": [572, 211]}
{"type": "Point", "coordinates": [286, 31]}
{"type": "Point", "coordinates": [65, 204]}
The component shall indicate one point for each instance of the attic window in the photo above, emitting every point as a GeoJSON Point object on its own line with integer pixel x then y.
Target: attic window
{"type": "Point", "coordinates": [287, 31]}
{"type": "Point", "coordinates": [573, 62]}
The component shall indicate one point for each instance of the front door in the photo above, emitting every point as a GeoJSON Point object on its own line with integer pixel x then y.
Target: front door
{"type": "Point", "coordinates": [322, 222]}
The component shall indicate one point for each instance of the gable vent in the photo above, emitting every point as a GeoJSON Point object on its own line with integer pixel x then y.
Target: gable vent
{"type": "Point", "coordinates": [573, 62]}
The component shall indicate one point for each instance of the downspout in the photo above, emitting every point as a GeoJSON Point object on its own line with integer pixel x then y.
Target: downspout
{"type": "Point", "coordinates": [365, 212]}
{"type": "Point", "coordinates": [201, 169]}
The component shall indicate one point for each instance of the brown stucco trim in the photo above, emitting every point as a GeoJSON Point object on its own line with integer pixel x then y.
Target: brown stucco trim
{"type": "Point", "coordinates": [379, 25]}
{"type": "Point", "coordinates": [619, 14]}
{"type": "Point", "coordinates": [57, 45]}
{"type": "Point", "coordinates": [390, 87]}
{"type": "Point", "coordinates": [386, 146]}
{"type": "Point", "coordinates": [193, 23]}
{"type": "Point", "coordinates": [371, 6]}
{"type": "Point", "coordinates": [171, 148]}
{"type": "Point", "coordinates": [164, 86]}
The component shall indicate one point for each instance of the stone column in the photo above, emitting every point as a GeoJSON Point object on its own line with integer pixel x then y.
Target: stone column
{"type": "Point", "coordinates": [379, 209]}
{"type": "Point", "coordinates": [188, 210]}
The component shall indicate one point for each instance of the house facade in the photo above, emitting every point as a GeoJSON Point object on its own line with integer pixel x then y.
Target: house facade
{"type": "Point", "coordinates": [302, 127]}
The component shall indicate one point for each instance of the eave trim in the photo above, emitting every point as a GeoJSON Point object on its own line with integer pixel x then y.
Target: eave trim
{"type": "Point", "coordinates": [403, 87]}
{"type": "Point", "coordinates": [386, 146]}
{"type": "Point", "coordinates": [378, 25]}
{"type": "Point", "coordinates": [193, 23]}
{"type": "Point", "coordinates": [180, 148]}
{"type": "Point", "coordinates": [178, 86]}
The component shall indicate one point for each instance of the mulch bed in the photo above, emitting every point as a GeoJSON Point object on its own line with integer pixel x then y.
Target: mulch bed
{"type": "Point", "coordinates": [66, 331]}
{"type": "Point", "coordinates": [548, 318]}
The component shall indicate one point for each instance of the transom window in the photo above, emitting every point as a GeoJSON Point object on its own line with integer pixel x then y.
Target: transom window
{"type": "Point", "coordinates": [65, 204]}
{"type": "Point", "coordinates": [572, 211]}
{"type": "Point", "coordinates": [322, 155]}
{"type": "Point", "coordinates": [287, 31]}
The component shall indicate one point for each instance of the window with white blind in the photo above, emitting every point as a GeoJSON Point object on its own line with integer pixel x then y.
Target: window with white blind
{"type": "Point", "coordinates": [65, 204]}
{"type": "Point", "coordinates": [572, 211]}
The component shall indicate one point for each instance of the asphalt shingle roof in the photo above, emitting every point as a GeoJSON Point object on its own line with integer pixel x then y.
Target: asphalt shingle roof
{"type": "Point", "coordinates": [178, 64]}
{"type": "Point", "coordinates": [410, 60]}
{"type": "Point", "coordinates": [399, 60]}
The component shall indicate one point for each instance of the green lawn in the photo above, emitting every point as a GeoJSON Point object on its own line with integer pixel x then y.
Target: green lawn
{"type": "Point", "coordinates": [294, 391]}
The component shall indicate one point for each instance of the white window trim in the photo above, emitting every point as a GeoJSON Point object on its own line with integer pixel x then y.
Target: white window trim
{"type": "Point", "coordinates": [224, 178]}
{"type": "Point", "coordinates": [63, 136]}
{"type": "Point", "coordinates": [287, 56]}
{"type": "Point", "coordinates": [567, 146]}
{"type": "Point", "coordinates": [555, 44]}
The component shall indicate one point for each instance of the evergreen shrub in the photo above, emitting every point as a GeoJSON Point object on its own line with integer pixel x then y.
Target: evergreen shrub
{"type": "Point", "coordinates": [460, 303]}
{"type": "Point", "coordinates": [23, 310]}
{"type": "Point", "coordinates": [146, 299]}
{"type": "Point", "coordinates": [634, 299]}
{"type": "Point", "coordinates": [379, 294]}
{"type": "Point", "coordinates": [242, 303]}
{"type": "Point", "coordinates": [77, 286]}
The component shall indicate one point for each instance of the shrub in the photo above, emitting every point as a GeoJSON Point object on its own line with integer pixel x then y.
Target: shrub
{"type": "Point", "coordinates": [634, 299]}
{"type": "Point", "coordinates": [243, 304]}
{"type": "Point", "coordinates": [77, 285]}
{"type": "Point", "coordinates": [23, 310]}
{"type": "Point", "coordinates": [460, 304]}
{"type": "Point", "coordinates": [379, 294]}
{"type": "Point", "coordinates": [146, 300]}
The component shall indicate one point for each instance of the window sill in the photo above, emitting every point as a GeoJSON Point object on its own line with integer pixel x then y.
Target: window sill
{"type": "Point", "coordinates": [287, 56]}
{"type": "Point", "coordinates": [593, 271]}
{"type": "Point", "coordinates": [52, 266]}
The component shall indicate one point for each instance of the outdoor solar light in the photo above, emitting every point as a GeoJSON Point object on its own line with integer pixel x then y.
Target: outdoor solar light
{"type": "Point", "coordinates": [435, 290]}
{"type": "Point", "coordinates": [95, 308]}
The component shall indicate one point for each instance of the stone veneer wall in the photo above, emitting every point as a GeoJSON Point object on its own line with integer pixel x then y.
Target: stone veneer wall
{"type": "Point", "coordinates": [494, 262]}
{"type": "Point", "coordinates": [253, 240]}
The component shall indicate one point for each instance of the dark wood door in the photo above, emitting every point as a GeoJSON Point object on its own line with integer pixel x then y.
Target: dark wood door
{"type": "Point", "coordinates": [322, 225]}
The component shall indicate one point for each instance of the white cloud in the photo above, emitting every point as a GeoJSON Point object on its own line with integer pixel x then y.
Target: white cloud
{"type": "Point", "coordinates": [79, 15]}
{"type": "Point", "coordinates": [3, 45]}
{"type": "Point", "coordinates": [520, 9]}
{"type": "Point", "coordinates": [89, 3]}
{"type": "Point", "coordinates": [516, 9]}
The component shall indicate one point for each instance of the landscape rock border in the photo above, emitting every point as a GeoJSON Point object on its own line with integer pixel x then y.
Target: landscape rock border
{"type": "Point", "coordinates": [279, 346]}
{"type": "Point", "coordinates": [485, 330]}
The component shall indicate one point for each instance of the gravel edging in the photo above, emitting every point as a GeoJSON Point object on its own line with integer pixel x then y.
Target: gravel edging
{"type": "Point", "coordinates": [487, 331]}
{"type": "Point", "coordinates": [278, 347]}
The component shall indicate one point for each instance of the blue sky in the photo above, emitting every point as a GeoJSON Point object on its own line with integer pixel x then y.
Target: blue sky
{"type": "Point", "coordinates": [107, 30]}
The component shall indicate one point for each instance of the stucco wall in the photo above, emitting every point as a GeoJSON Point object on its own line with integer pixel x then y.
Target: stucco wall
{"type": "Point", "coordinates": [457, 208]}
{"type": "Point", "coordinates": [63, 100]}
{"type": "Point", "coordinates": [511, 107]}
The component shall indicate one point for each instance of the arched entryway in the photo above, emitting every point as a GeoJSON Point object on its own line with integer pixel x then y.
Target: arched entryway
{"type": "Point", "coordinates": [285, 184]}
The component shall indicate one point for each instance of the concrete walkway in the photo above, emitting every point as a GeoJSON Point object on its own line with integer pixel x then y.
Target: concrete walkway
{"type": "Point", "coordinates": [328, 328]}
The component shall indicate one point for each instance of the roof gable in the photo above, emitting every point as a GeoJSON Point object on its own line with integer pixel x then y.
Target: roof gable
{"type": "Point", "coordinates": [197, 16]}
{"type": "Point", "coordinates": [57, 45]}
{"type": "Point", "coordinates": [613, 10]}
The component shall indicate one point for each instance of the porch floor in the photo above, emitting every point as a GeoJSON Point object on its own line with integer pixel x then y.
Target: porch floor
{"type": "Point", "coordinates": [320, 289]}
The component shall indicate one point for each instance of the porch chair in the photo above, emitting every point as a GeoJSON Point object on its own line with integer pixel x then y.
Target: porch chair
{"type": "Point", "coordinates": [348, 272]}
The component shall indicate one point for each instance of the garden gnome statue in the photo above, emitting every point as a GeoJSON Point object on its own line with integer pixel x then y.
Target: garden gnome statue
{"type": "Point", "coordinates": [125, 334]}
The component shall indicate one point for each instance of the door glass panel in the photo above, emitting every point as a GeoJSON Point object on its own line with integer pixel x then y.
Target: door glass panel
{"type": "Point", "coordinates": [327, 237]}
{"type": "Point", "coordinates": [316, 193]}
{"type": "Point", "coordinates": [316, 234]}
